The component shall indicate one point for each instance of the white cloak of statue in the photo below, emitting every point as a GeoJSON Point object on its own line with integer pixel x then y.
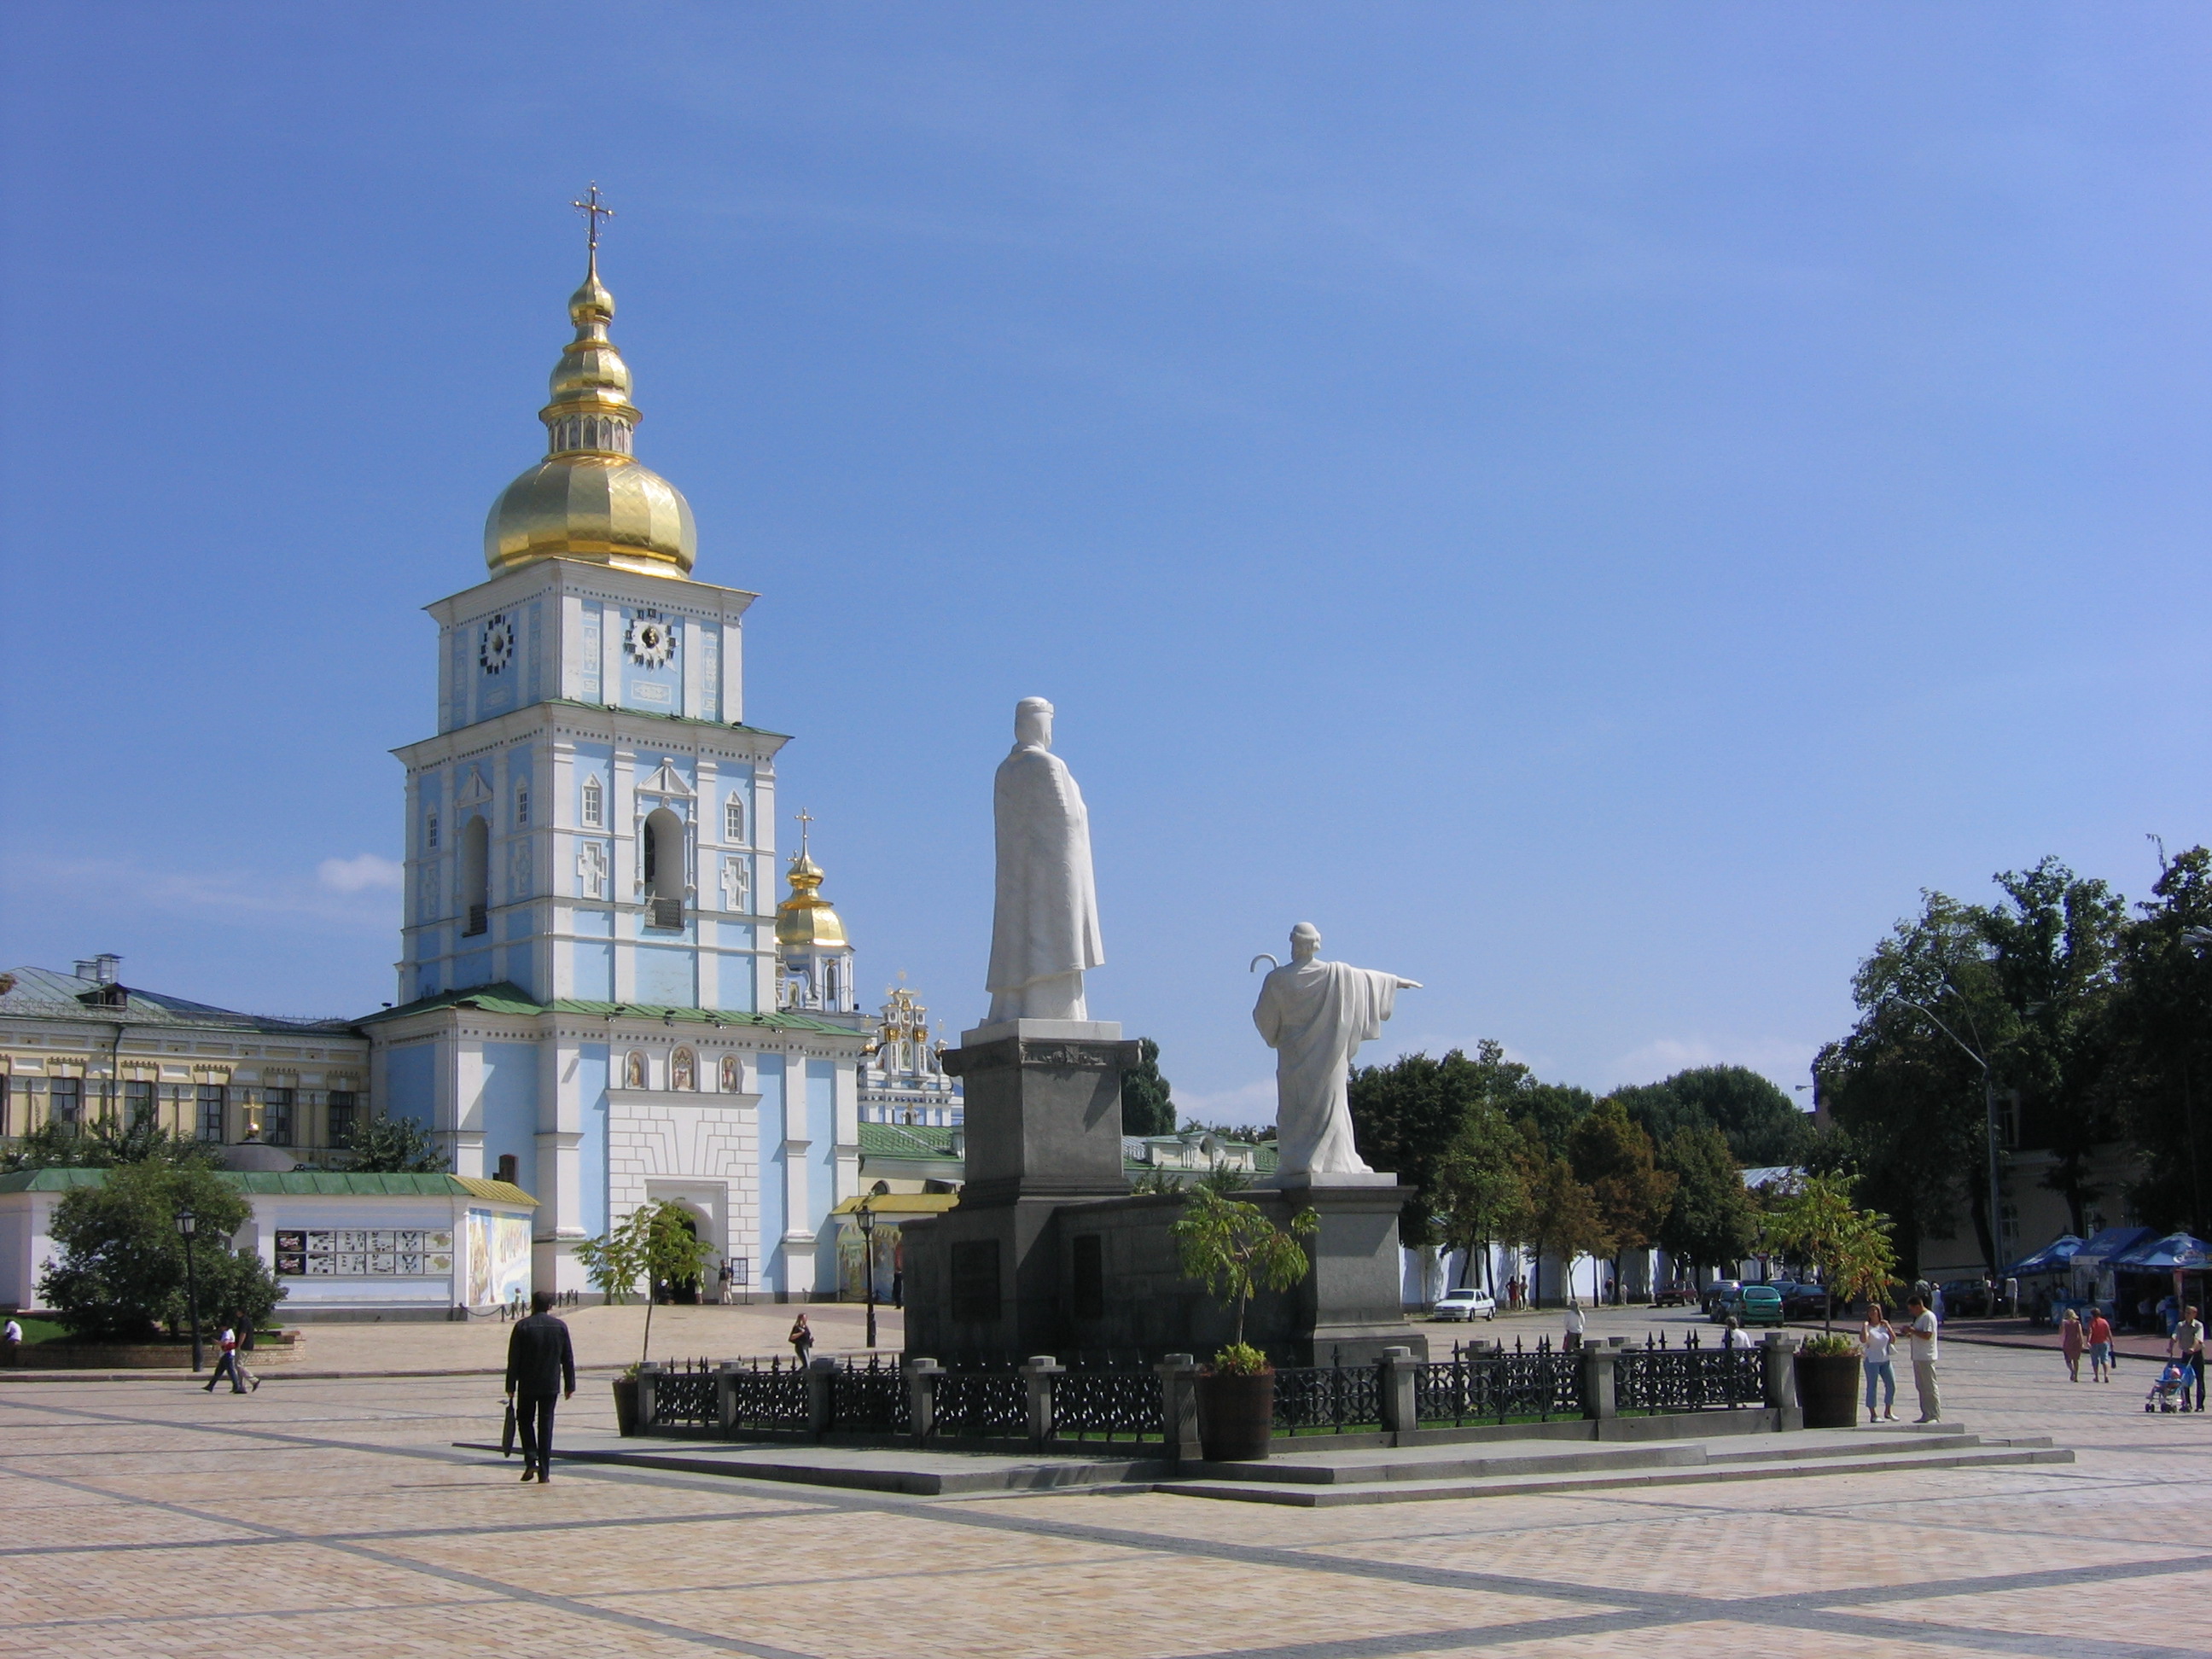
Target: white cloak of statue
{"type": "Point", "coordinates": [1044, 927]}
{"type": "Point", "coordinates": [1315, 1015]}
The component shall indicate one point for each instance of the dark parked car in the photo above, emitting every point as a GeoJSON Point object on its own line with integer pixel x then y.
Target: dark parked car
{"type": "Point", "coordinates": [1801, 1300]}
{"type": "Point", "coordinates": [1718, 1289]}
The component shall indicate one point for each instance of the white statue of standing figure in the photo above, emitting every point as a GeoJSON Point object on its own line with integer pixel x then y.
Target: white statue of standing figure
{"type": "Point", "coordinates": [1315, 1015]}
{"type": "Point", "coordinates": [1044, 929]}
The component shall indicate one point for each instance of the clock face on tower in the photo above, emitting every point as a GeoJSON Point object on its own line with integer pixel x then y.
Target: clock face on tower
{"type": "Point", "coordinates": [495, 645]}
{"type": "Point", "coordinates": [649, 639]}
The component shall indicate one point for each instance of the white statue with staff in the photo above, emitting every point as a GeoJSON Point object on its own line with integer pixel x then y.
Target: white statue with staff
{"type": "Point", "coordinates": [1044, 927]}
{"type": "Point", "coordinates": [1315, 1015]}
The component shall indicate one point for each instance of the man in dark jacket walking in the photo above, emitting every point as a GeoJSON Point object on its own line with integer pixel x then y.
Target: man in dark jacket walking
{"type": "Point", "coordinates": [540, 1366]}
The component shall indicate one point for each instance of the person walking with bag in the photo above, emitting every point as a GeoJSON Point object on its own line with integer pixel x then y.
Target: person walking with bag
{"type": "Point", "coordinates": [1876, 1336]}
{"type": "Point", "coordinates": [1922, 1331]}
{"type": "Point", "coordinates": [541, 1368]}
{"type": "Point", "coordinates": [2070, 1343]}
{"type": "Point", "coordinates": [801, 1339]}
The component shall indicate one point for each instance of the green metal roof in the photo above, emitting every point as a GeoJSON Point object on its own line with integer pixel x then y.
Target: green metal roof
{"type": "Point", "coordinates": [505, 998]}
{"type": "Point", "coordinates": [298, 1183]}
{"type": "Point", "coordinates": [921, 1142]}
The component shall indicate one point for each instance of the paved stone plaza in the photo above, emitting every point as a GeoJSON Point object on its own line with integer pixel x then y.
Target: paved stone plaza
{"type": "Point", "coordinates": [334, 1517]}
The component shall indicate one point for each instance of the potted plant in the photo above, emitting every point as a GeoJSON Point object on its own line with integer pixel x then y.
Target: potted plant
{"type": "Point", "coordinates": [1852, 1249]}
{"type": "Point", "coordinates": [1233, 1249]}
{"type": "Point", "coordinates": [659, 1243]}
{"type": "Point", "coordinates": [1828, 1380]}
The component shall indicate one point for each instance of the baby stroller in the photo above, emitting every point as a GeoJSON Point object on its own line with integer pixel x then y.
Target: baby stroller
{"type": "Point", "coordinates": [2170, 1392]}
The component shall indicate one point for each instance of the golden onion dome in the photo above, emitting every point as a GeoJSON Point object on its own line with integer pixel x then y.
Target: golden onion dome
{"type": "Point", "coordinates": [588, 499]}
{"type": "Point", "coordinates": [806, 918]}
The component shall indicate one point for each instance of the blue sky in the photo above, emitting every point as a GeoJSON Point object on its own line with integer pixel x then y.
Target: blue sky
{"type": "Point", "coordinates": [1594, 507]}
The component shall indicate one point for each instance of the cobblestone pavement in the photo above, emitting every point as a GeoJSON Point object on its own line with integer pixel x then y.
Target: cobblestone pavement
{"type": "Point", "coordinates": [335, 1518]}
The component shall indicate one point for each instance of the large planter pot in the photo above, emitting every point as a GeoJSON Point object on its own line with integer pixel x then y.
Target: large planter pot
{"type": "Point", "coordinates": [1829, 1389]}
{"type": "Point", "coordinates": [626, 1406]}
{"type": "Point", "coordinates": [1235, 1417]}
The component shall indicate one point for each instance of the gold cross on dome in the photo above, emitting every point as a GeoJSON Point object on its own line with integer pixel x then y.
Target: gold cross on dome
{"type": "Point", "coordinates": [805, 819]}
{"type": "Point", "coordinates": [593, 210]}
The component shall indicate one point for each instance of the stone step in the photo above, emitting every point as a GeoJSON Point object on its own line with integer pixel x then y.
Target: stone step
{"type": "Point", "coordinates": [1783, 1464]}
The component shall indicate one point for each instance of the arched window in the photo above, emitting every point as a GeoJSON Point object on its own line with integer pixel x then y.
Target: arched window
{"type": "Point", "coordinates": [683, 1071]}
{"type": "Point", "coordinates": [521, 803]}
{"type": "Point", "coordinates": [594, 803]}
{"type": "Point", "coordinates": [734, 817]}
{"type": "Point", "coordinates": [634, 1070]}
{"type": "Point", "coordinates": [476, 876]}
{"type": "Point", "coordinates": [664, 870]}
{"type": "Point", "coordinates": [733, 1075]}
{"type": "Point", "coordinates": [830, 985]}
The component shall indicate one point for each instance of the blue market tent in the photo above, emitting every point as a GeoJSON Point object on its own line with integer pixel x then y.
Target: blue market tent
{"type": "Point", "coordinates": [2182, 1250]}
{"type": "Point", "coordinates": [2112, 1243]}
{"type": "Point", "coordinates": [2052, 1258]}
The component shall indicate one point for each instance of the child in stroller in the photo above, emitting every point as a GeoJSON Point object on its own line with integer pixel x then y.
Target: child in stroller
{"type": "Point", "coordinates": [2170, 1392]}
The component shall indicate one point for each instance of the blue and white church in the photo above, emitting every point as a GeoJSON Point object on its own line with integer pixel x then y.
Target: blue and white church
{"type": "Point", "coordinates": [592, 1002]}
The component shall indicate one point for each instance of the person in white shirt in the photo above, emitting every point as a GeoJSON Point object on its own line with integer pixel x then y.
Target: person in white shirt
{"type": "Point", "coordinates": [11, 1342]}
{"type": "Point", "coordinates": [1574, 1326]}
{"type": "Point", "coordinates": [1922, 1330]}
{"type": "Point", "coordinates": [1876, 1336]}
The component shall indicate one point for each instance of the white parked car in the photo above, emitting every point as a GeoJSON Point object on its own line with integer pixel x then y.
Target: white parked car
{"type": "Point", "coordinates": [1468, 1303]}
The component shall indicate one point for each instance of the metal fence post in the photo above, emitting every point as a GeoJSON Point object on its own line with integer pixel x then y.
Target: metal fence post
{"type": "Point", "coordinates": [725, 1399]}
{"type": "Point", "coordinates": [1781, 1356]}
{"type": "Point", "coordinates": [1178, 1374]}
{"type": "Point", "coordinates": [1039, 1370]}
{"type": "Point", "coordinates": [1399, 1401]}
{"type": "Point", "coordinates": [648, 1377]}
{"type": "Point", "coordinates": [922, 1399]}
{"type": "Point", "coordinates": [1598, 1400]}
{"type": "Point", "coordinates": [821, 1383]}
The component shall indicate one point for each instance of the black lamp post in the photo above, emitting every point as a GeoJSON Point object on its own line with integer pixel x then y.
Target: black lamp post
{"type": "Point", "coordinates": [187, 1224]}
{"type": "Point", "coordinates": [867, 1217]}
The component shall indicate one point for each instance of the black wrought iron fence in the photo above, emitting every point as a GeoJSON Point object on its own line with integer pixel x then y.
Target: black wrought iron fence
{"type": "Point", "coordinates": [684, 1392]}
{"type": "Point", "coordinates": [770, 1400]}
{"type": "Point", "coordinates": [1690, 1378]}
{"type": "Point", "coordinates": [1328, 1398]}
{"type": "Point", "coordinates": [1500, 1387]}
{"type": "Point", "coordinates": [989, 1404]}
{"type": "Point", "coordinates": [1106, 1404]}
{"type": "Point", "coordinates": [873, 1396]}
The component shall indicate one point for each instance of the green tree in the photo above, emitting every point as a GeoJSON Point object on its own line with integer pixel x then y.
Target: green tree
{"type": "Point", "coordinates": [1553, 1110]}
{"type": "Point", "coordinates": [2160, 1063]}
{"type": "Point", "coordinates": [657, 1243]}
{"type": "Point", "coordinates": [1711, 1218]}
{"type": "Point", "coordinates": [1763, 1125]}
{"type": "Point", "coordinates": [1850, 1247]}
{"type": "Point", "coordinates": [393, 1145]}
{"type": "Point", "coordinates": [118, 1271]}
{"type": "Point", "coordinates": [1560, 1217]}
{"type": "Point", "coordinates": [1404, 1114]}
{"type": "Point", "coordinates": [1479, 1189]}
{"type": "Point", "coordinates": [103, 1144]}
{"type": "Point", "coordinates": [1616, 1161]}
{"type": "Point", "coordinates": [1234, 1250]}
{"type": "Point", "coordinates": [1146, 1106]}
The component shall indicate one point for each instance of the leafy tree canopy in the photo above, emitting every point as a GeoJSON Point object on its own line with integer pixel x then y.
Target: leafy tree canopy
{"type": "Point", "coordinates": [103, 1145]}
{"type": "Point", "coordinates": [393, 1145]}
{"type": "Point", "coordinates": [1616, 1161]}
{"type": "Point", "coordinates": [118, 1270]}
{"type": "Point", "coordinates": [1147, 1108]}
{"type": "Point", "coordinates": [1406, 1114]}
{"type": "Point", "coordinates": [1763, 1125]}
{"type": "Point", "coordinates": [1711, 1218]}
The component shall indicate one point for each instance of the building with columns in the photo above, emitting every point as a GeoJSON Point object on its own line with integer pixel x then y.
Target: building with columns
{"type": "Point", "coordinates": [592, 1001]}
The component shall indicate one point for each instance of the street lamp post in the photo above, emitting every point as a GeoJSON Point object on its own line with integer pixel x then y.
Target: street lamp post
{"type": "Point", "coordinates": [1989, 1129]}
{"type": "Point", "coordinates": [187, 1224]}
{"type": "Point", "coordinates": [867, 1218]}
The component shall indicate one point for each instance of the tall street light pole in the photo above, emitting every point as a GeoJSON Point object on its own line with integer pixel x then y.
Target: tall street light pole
{"type": "Point", "coordinates": [187, 1224]}
{"type": "Point", "coordinates": [1990, 1127]}
{"type": "Point", "coordinates": [867, 1218]}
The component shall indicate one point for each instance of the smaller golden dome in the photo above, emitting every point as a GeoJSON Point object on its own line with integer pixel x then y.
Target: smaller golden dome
{"type": "Point", "coordinates": [588, 499]}
{"type": "Point", "coordinates": [806, 918]}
